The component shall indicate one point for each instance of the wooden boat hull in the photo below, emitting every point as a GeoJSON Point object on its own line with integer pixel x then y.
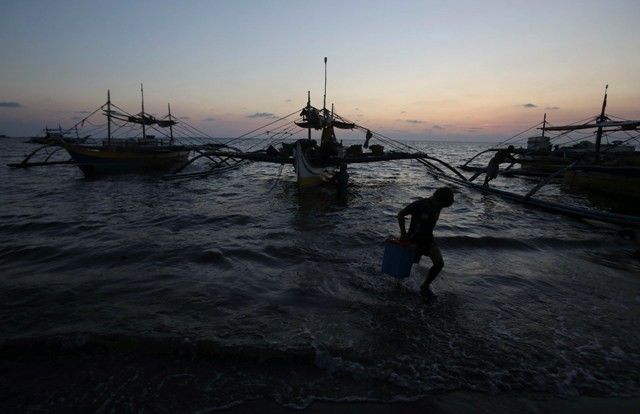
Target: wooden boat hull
{"type": "Point", "coordinates": [308, 175]}
{"type": "Point", "coordinates": [555, 160]}
{"type": "Point", "coordinates": [621, 184]}
{"type": "Point", "coordinates": [94, 160]}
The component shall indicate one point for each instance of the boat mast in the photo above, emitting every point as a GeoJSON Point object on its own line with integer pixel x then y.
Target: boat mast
{"type": "Point", "coordinates": [108, 116]}
{"type": "Point", "coordinates": [600, 119]}
{"type": "Point", "coordinates": [170, 124]}
{"type": "Point", "coordinates": [144, 132]}
{"type": "Point", "coordinates": [308, 111]}
{"type": "Point", "coordinates": [544, 124]}
{"type": "Point", "coordinates": [324, 103]}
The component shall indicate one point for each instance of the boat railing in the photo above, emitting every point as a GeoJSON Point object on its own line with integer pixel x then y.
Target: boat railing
{"type": "Point", "coordinates": [130, 142]}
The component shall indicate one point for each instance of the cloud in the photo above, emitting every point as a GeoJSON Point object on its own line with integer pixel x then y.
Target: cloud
{"type": "Point", "coordinates": [437, 127]}
{"type": "Point", "coordinates": [186, 118]}
{"type": "Point", "coordinates": [81, 112]}
{"type": "Point", "coordinates": [261, 115]}
{"type": "Point", "coordinates": [287, 100]}
{"type": "Point", "coordinates": [10, 105]}
{"type": "Point", "coordinates": [210, 119]}
{"type": "Point", "coordinates": [76, 118]}
{"type": "Point", "coordinates": [474, 129]}
{"type": "Point", "coordinates": [552, 108]}
{"type": "Point", "coordinates": [403, 112]}
{"type": "Point", "coordinates": [410, 121]}
{"type": "Point", "coordinates": [530, 105]}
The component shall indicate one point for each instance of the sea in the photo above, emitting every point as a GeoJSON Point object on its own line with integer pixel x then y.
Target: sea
{"type": "Point", "coordinates": [134, 293]}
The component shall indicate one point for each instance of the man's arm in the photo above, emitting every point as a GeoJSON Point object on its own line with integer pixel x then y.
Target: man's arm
{"type": "Point", "coordinates": [401, 216]}
{"type": "Point", "coordinates": [408, 210]}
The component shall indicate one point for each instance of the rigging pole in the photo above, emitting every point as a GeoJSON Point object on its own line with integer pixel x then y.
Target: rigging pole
{"type": "Point", "coordinates": [108, 116]}
{"type": "Point", "coordinates": [600, 119]}
{"type": "Point", "coordinates": [308, 111]}
{"type": "Point", "coordinates": [324, 103]}
{"type": "Point", "coordinates": [144, 132]}
{"type": "Point", "coordinates": [170, 124]}
{"type": "Point", "coordinates": [544, 124]}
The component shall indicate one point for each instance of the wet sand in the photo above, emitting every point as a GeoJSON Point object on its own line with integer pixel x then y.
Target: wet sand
{"type": "Point", "coordinates": [459, 402]}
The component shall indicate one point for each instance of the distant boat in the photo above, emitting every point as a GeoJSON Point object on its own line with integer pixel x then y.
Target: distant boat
{"type": "Point", "coordinates": [125, 155]}
{"type": "Point", "coordinates": [53, 136]}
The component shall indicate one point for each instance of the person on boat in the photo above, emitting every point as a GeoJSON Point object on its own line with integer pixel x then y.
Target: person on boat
{"type": "Point", "coordinates": [424, 215]}
{"type": "Point", "coordinates": [491, 172]}
{"type": "Point", "coordinates": [367, 138]}
{"type": "Point", "coordinates": [328, 143]}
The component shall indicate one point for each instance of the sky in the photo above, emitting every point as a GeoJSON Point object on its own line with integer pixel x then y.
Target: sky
{"type": "Point", "coordinates": [471, 70]}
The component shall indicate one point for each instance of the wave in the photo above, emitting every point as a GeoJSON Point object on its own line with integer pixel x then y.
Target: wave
{"type": "Point", "coordinates": [534, 243]}
{"type": "Point", "coordinates": [76, 343]}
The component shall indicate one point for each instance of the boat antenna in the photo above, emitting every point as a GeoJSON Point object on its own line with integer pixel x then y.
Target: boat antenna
{"type": "Point", "coordinates": [170, 124]}
{"type": "Point", "coordinates": [601, 119]}
{"type": "Point", "coordinates": [544, 124]}
{"type": "Point", "coordinates": [324, 103]}
{"type": "Point", "coordinates": [144, 133]}
{"type": "Point", "coordinates": [108, 116]}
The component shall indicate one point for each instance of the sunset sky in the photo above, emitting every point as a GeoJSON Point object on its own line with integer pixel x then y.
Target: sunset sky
{"type": "Point", "coordinates": [410, 69]}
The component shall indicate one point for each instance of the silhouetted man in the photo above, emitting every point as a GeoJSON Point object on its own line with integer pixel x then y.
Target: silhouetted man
{"type": "Point", "coordinates": [424, 215]}
{"type": "Point", "coordinates": [491, 172]}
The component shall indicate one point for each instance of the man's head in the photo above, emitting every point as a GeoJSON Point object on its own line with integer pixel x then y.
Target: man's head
{"type": "Point", "coordinates": [511, 148]}
{"type": "Point", "coordinates": [443, 196]}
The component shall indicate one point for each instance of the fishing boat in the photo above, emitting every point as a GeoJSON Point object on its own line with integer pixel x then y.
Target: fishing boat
{"type": "Point", "coordinates": [611, 167]}
{"type": "Point", "coordinates": [317, 165]}
{"type": "Point", "coordinates": [134, 143]}
{"type": "Point", "coordinates": [326, 163]}
{"type": "Point", "coordinates": [133, 154]}
{"type": "Point", "coordinates": [52, 136]}
{"type": "Point", "coordinates": [605, 168]}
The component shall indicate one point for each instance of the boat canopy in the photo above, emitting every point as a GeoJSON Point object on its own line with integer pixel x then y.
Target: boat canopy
{"type": "Point", "coordinates": [318, 119]}
{"type": "Point", "coordinates": [142, 119]}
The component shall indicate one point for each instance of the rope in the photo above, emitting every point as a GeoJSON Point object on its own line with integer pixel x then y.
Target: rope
{"type": "Point", "coordinates": [262, 127]}
{"type": "Point", "coordinates": [278, 177]}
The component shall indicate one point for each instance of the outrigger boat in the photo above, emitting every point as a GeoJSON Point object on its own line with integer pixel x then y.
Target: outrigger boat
{"type": "Point", "coordinates": [127, 154]}
{"type": "Point", "coordinates": [611, 168]}
{"type": "Point", "coordinates": [315, 164]}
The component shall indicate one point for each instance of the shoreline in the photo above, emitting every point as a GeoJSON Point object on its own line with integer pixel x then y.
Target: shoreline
{"type": "Point", "coordinates": [455, 402]}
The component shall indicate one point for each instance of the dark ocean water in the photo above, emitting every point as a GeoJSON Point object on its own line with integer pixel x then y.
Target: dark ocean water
{"type": "Point", "coordinates": [131, 292]}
